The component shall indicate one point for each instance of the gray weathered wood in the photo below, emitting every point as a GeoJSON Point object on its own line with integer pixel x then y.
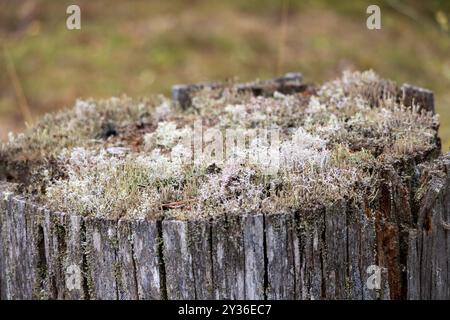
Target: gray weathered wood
{"type": "Point", "coordinates": [228, 258]}
{"type": "Point", "coordinates": [19, 274]}
{"type": "Point", "coordinates": [423, 98]}
{"type": "Point", "coordinates": [429, 250]}
{"type": "Point", "coordinates": [145, 243]}
{"type": "Point", "coordinates": [413, 270]}
{"type": "Point", "coordinates": [253, 236]}
{"type": "Point", "coordinates": [355, 268]}
{"type": "Point", "coordinates": [336, 245]}
{"type": "Point", "coordinates": [368, 251]}
{"type": "Point", "coordinates": [3, 203]}
{"type": "Point", "coordinates": [53, 242]}
{"type": "Point", "coordinates": [287, 84]}
{"type": "Point", "coordinates": [200, 251]}
{"type": "Point", "coordinates": [178, 260]}
{"type": "Point", "coordinates": [311, 228]}
{"type": "Point", "coordinates": [102, 258]}
{"type": "Point", "coordinates": [74, 257]}
{"type": "Point", "coordinates": [127, 277]}
{"type": "Point", "coordinates": [282, 258]}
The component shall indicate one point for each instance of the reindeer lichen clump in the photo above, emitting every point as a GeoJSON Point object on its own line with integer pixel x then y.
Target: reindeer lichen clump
{"type": "Point", "coordinates": [121, 157]}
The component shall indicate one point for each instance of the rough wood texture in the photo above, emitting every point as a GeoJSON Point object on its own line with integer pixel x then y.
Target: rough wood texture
{"type": "Point", "coordinates": [145, 242]}
{"type": "Point", "coordinates": [127, 277]}
{"type": "Point", "coordinates": [228, 258]}
{"type": "Point", "coordinates": [178, 260]}
{"type": "Point", "coordinates": [3, 286]}
{"type": "Point", "coordinates": [422, 97]}
{"type": "Point", "coordinates": [282, 256]}
{"type": "Point", "coordinates": [429, 244]}
{"type": "Point", "coordinates": [288, 84]}
{"type": "Point", "coordinates": [102, 258]}
{"type": "Point", "coordinates": [253, 244]}
{"type": "Point", "coordinates": [200, 249]}
{"type": "Point", "coordinates": [19, 275]}
{"type": "Point", "coordinates": [74, 253]}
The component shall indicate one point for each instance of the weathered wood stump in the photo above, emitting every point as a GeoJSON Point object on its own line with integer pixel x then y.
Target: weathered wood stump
{"type": "Point", "coordinates": [332, 251]}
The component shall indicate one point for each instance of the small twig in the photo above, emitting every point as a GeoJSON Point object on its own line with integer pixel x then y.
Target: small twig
{"type": "Point", "coordinates": [177, 204]}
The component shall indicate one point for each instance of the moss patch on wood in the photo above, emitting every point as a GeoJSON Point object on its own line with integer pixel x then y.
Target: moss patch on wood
{"type": "Point", "coordinates": [120, 157]}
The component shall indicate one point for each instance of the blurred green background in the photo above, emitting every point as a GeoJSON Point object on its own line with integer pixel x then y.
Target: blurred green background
{"type": "Point", "coordinates": [142, 47]}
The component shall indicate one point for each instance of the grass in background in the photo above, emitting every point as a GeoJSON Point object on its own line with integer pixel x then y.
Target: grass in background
{"type": "Point", "coordinates": [143, 47]}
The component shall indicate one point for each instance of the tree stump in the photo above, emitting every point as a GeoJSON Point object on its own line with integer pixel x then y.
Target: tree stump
{"type": "Point", "coordinates": [395, 245]}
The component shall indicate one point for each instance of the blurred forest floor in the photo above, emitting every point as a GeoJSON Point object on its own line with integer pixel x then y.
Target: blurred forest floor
{"type": "Point", "coordinates": [143, 47]}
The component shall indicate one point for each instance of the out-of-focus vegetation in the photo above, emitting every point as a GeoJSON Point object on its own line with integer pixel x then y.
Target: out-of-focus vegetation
{"type": "Point", "coordinates": [142, 47]}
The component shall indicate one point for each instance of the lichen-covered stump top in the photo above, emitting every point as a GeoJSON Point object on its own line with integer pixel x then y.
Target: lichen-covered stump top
{"type": "Point", "coordinates": [272, 189]}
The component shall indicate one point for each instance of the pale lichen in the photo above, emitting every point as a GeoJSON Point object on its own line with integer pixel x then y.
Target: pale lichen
{"type": "Point", "coordinates": [121, 157]}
